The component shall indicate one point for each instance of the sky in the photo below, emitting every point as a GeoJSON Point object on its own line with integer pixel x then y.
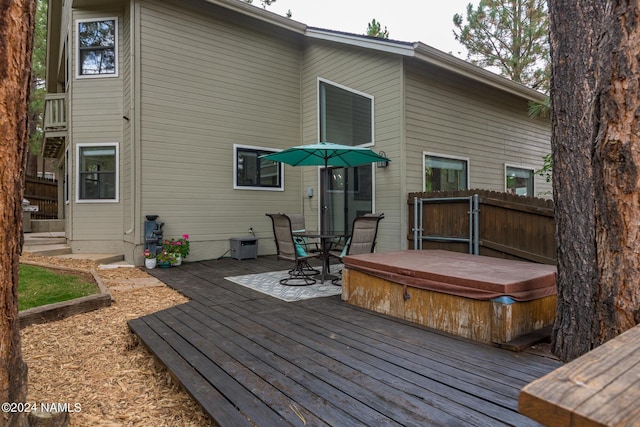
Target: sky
{"type": "Point", "coordinates": [430, 22]}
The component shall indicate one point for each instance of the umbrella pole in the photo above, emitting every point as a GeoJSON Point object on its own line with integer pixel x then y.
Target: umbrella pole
{"type": "Point", "coordinates": [323, 195]}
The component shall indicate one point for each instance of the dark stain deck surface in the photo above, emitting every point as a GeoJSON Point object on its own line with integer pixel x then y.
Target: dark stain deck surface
{"type": "Point", "coordinates": [250, 359]}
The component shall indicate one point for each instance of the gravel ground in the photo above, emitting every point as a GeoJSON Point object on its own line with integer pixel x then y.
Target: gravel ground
{"type": "Point", "coordinates": [96, 365]}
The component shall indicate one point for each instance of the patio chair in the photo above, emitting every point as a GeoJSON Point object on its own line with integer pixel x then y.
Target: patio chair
{"type": "Point", "coordinates": [362, 239]}
{"type": "Point", "coordinates": [298, 226]}
{"type": "Point", "coordinates": [302, 273]}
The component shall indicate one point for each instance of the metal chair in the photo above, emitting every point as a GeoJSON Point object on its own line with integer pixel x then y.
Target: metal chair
{"type": "Point", "coordinates": [298, 226]}
{"type": "Point", "coordinates": [297, 222]}
{"type": "Point", "coordinates": [362, 240]}
{"type": "Point", "coordinates": [302, 272]}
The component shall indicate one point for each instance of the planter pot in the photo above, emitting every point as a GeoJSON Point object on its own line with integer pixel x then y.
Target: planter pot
{"type": "Point", "coordinates": [164, 264]}
{"type": "Point", "coordinates": [150, 263]}
{"type": "Point", "coordinates": [177, 261]}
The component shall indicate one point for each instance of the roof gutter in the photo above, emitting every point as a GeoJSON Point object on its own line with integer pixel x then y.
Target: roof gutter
{"type": "Point", "coordinates": [417, 50]}
{"type": "Point", "coordinates": [261, 14]}
{"type": "Point", "coordinates": [440, 59]}
{"type": "Point", "coordinates": [376, 43]}
{"type": "Point", "coordinates": [430, 55]}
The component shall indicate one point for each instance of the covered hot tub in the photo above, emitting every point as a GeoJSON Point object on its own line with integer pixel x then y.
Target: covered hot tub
{"type": "Point", "coordinates": [485, 299]}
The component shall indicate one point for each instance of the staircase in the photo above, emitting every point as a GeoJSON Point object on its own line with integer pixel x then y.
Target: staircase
{"type": "Point", "coordinates": [46, 244]}
{"type": "Point", "coordinates": [53, 243]}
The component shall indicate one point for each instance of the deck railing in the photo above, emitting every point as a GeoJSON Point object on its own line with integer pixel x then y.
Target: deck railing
{"type": "Point", "coordinates": [55, 111]}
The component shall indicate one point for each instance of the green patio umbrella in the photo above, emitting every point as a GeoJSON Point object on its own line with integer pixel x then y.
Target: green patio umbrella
{"type": "Point", "coordinates": [326, 154]}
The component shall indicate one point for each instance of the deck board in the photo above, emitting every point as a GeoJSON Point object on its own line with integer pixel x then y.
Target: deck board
{"type": "Point", "coordinates": [211, 400]}
{"type": "Point", "coordinates": [395, 379]}
{"type": "Point", "coordinates": [403, 368]}
{"type": "Point", "coordinates": [323, 362]}
{"type": "Point", "coordinates": [269, 368]}
{"type": "Point", "coordinates": [292, 359]}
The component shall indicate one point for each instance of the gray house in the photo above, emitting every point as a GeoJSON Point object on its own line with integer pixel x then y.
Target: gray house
{"type": "Point", "coordinates": [164, 107]}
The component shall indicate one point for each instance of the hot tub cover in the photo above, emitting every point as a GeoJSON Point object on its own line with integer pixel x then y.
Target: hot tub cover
{"type": "Point", "coordinates": [471, 276]}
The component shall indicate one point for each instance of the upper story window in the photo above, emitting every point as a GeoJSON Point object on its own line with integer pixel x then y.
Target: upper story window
{"type": "Point", "coordinates": [254, 173]}
{"type": "Point", "coordinates": [97, 178]}
{"type": "Point", "coordinates": [519, 180]}
{"type": "Point", "coordinates": [97, 43]}
{"type": "Point", "coordinates": [445, 173]}
{"type": "Point", "coordinates": [345, 116]}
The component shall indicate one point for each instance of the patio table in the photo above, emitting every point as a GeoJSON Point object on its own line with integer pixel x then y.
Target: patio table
{"type": "Point", "coordinates": [326, 239]}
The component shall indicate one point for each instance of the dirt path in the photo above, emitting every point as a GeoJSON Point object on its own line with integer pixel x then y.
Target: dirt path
{"type": "Point", "coordinates": [94, 363]}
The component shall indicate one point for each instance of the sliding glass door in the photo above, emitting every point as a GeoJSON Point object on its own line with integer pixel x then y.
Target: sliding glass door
{"type": "Point", "coordinates": [349, 195]}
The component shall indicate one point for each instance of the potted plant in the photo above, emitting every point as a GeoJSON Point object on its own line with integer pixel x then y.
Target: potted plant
{"type": "Point", "coordinates": [184, 245]}
{"type": "Point", "coordinates": [179, 247]}
{"type": "Point", "coordinates": [166, 258]}
{"type": "Point", "coordinates": [149, 259]}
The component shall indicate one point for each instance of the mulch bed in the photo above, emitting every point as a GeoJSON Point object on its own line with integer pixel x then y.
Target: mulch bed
{"type": "Point", "coordinates": [94, 360]}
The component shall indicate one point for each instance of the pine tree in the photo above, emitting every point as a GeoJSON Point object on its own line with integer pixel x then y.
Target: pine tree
{"type": "Point", "coordinates": [374, 29]}
{"type": "Point", "coordinates": [510, 35]}
{"type": "Point", "coordinates": [595, 97]}
{"type": "Point", "coordinates": [16, 38]}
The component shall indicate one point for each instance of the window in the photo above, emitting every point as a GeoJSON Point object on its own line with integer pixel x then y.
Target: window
{"type": "Point", "coordinates": [97, 172]}
{"type": "Point", "coordinates": [519, 181]}
{"type": "Point", "coordinates": [97, 48]}
{"type": "Point", "coordinates": [252, 172]}
{"type": "Point", "coordinates": [445, 173]}
{"type": "Point", "coordinates": [346, 117]}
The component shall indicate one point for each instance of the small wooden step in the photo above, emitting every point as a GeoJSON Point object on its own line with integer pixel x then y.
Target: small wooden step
{"type": "Point", "coordinates": [525, 341]}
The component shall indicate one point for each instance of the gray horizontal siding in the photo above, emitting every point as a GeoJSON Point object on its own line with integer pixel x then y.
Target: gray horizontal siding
{"type": "Point", "coordinates": [208, 84]}
{"type": "Point", "coordinates": [96, 116]}
{"type": "Point", "coordinates": [451, 116]}
{"type": "Point", "coordinates": [378, 75]}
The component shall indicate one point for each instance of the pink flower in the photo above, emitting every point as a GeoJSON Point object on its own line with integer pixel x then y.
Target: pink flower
{"type": "Point", "coordinates": [185, 236]}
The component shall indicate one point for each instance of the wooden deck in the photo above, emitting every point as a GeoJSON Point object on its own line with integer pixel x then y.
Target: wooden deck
{"type": "Point", "coordinates": [250, 359]}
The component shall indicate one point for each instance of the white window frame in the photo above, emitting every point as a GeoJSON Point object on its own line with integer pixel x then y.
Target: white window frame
{"type": "Point", "coordinates": [523, 167]}
{"type": "Point", "coordinates": [79, 146]}
{"type": "Point", "coordinates": [77, 48]}
{"type": "Point", "coordinates": [444, 156]}
{"type": "Point", "coordinates": [348, 89]}
{"type": "Point", "coordinates": [235, 169]}
{"type": "Point", "coordinates": [67, 176]}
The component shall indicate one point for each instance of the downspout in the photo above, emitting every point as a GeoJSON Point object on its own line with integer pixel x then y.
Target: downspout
{"type": "Point", "coordinates": [402, 159]}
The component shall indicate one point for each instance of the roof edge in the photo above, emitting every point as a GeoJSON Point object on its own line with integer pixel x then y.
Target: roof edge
{"type": "Point", "coordinates": [418, 50]}
{"type": "Point", "coordinates": [54, 14]}
{"type": "Point", "coordinates": [261, 14]}
{"type": "Point", "coordinates": [444, 60]}
{"type": "Point", "coordinates": [385, 45]}
{"type": "Point", "coordinates": [430, 55]}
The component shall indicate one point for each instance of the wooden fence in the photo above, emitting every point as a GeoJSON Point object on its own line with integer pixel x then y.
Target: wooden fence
{"type": "Point", "coordinates": [43, 193]}
{"type": "Point", "coordinates": [509, 226]}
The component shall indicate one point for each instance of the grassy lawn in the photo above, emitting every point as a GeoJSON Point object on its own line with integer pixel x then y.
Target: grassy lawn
{"type": "Point", "coordinates": [39, 286]}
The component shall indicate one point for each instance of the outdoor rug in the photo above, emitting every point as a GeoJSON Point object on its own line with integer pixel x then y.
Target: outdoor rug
{"type": "Point", "coordinates": [269, 283]}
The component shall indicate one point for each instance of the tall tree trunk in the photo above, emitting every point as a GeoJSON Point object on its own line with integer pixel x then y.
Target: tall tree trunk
{"type": "Point", "coordinates": [595, 99]}
{"type": "Point", "coordinates": [617, 172]}
{"type": "Point", "coordinates": [573, 39]}
{"type": "Point", "coordinates": [16, 43]}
